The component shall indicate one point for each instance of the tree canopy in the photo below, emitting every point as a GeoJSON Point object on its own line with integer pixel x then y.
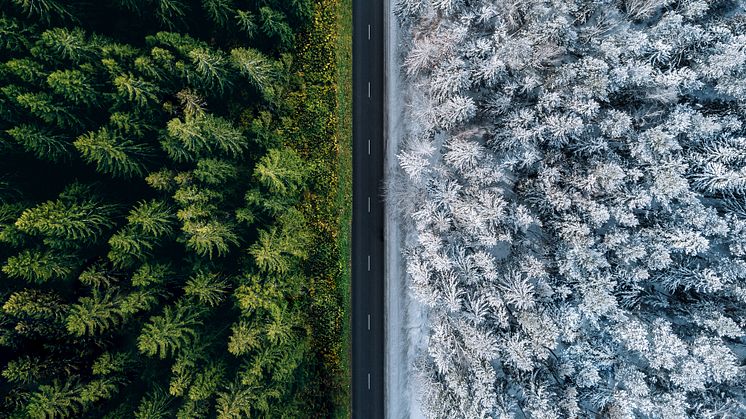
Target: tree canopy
{"type": "Point", "coordinates": [572, 192]}
{"type": "Point", "coordinates": [132, 132]}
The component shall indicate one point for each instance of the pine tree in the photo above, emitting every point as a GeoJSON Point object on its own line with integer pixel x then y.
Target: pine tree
{"type": "Point", "coordinates": [154, 405]}
{"type": "Point", "coordinates": [67, 221]}
{"type": "Point", "coordinates": [255, 296]}
{"type": "Point", "coordinates": [282, 172]}
{"type": "Point", "coordinates": [215, 171]}
{"type": "Point", "coordinates": [244, 338]}
{"type": "Point", "coordinates": [210, 238]}
{"type": "Point", "coordinates": [183, 370]}
{"type": "Point", "coordinates": [280, 328]}
{"type": "Point", "coordinates": [136, 90]}
{"type": "Point", "coordinates": [278, 248]}
{"type": "Point", "coordinates": [268, 253]}
{"type": "Point", "coordinates": [111, 363]}
{"type": "Point", "coordinates": [235, 402]}
{"type": "Point", "coordinates": [151, 275]}
{"type": "Point", "coordinates": [207, 382]}
{"type": "Point", "coordinates": [35, 304]}
{"type": "Point", "coordinates": [171, 12]}
{"type": "Point", "coordinates": [257, 68]}
{"type": "Point", "coordinates": [130, 123]}
{"type": "Point", "coordinates": [194, 195]}
{"type": "Point", "coordinates": [192, 104]}
{"type": "Point", "coordinates": [63, 44]}
{"type": "Point", "coordinates": [209, 289]}
{"type": "Point", "coordinates": [153, 218]}
{"type": "Point", "coordinates": [44, 144]}
{"type": "Point", "coordinates": [129, 246]}
{"type": "Point", "coordinates": [274, 365]}
{"type": "Point", "coordinates": [112, 154]}
{"type": "Point", "coordinates": [93, 315]}
{"type": "Point", "coordinates": [193, 409]}
{"type": "Point", "coordinates": [81, 91]}
{"type": "Point", "coordinates": [44, 107]}
{"type": "Point", "coordinates": [219, 11]}
{"type": "Point", "coordinates": [641, 9]}
{"type": "Point", "coordinates": [14, 35]}
{"type": "Point", "coordinates": [274, 25]}
{"type": "Point", "coordinates": [137, 302]}
{"type": "Point", "coordinates": [162, 180]}
{"type": "Point", "coordinates": [28, 71]}
{"type": "Point", "coordinates": [211, 67]}
{"type": "Point", "coordinates": [25, 370]}
{"type": "Point", "coordinates": [98, 390]}
{"type": "Point", "coordinates": [175, 148]}
{"type": "Point", "coordinates": [246, 22]}
{"type": "Point", "coordinates": [302, 9]}
{"type": "Point", "coordinates": [73, 85]}
{"type": "Point", "coordinates": [168, 333]}
{"type": "Point", "coordinates": [206, 134]}
{"type": "Point", "coordinates": [55, 400]}
{"type": "Point", "coordinates": [38, 267]}
{"type": "Point", "coordinates": [46, 10]}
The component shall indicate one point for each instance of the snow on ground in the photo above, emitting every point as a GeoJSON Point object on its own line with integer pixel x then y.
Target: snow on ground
{"type": "Point", "coordinates": [406, 322]}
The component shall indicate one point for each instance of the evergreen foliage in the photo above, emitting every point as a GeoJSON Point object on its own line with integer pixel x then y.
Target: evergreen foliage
{"type": "Point", "coordinates": [36, 266]}
{"type": "Point", "coordinates": [165, 334]}
{"type": "Point", "coordinates": [69, 221]}
{"type": "Point", "coordinates": [41, 142]}
{"type": "Point", "coordinates": [131, 134]}
{"type": "Point", "coordinates": [257, 68]}
{"type": "Point", "coordinates": [111, 153]}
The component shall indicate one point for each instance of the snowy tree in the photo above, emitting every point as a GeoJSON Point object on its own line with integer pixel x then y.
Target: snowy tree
{"type": "Point", "coordinates": [573, 181]}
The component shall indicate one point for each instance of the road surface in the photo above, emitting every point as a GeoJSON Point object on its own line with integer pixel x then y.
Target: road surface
{"type": "Point", "coordinates": [368, 210]}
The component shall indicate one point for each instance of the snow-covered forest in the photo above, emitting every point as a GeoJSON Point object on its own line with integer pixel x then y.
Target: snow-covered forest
{"type": "Point", "coordinates": [575, 206]}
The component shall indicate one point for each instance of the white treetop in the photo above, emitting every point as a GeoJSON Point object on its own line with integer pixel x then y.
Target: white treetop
{"type": "Point", "coordinates": [576, 215]}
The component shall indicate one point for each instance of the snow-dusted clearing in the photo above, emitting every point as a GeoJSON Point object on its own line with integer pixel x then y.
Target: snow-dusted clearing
{"type": "Point", "coordinates": [573, 205]}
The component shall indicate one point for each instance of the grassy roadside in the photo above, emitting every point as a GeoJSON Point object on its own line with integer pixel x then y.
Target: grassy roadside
{"type": "Point", "coordinates": [344, 193]}
{"type": "Point", "coordinates": [320, 129]}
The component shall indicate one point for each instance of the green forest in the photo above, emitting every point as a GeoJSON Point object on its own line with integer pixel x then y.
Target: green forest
{"type": "Point", "coordinates": [174, 208]}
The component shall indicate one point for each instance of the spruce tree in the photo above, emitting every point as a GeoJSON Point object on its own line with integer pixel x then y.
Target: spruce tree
{"type": "Point", "coordinates": [62, 220]}
{"type": "Point", "coordinates": [170, 332]}
{"type": "Point", "coordinates": [126, 153]}
{"type": "Point", "coordinates": [43, 143]}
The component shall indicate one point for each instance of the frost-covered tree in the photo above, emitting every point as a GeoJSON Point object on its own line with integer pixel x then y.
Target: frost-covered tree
{"type": "Point", "coordinates": [573, 193]}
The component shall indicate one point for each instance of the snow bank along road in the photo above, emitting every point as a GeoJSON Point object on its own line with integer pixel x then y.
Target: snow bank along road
{"type": "Point", "coordinates": [367, 223]}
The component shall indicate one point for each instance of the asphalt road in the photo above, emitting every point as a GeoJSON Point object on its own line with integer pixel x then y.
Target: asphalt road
{"type": "Point", "coordinates": [368, 210]}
